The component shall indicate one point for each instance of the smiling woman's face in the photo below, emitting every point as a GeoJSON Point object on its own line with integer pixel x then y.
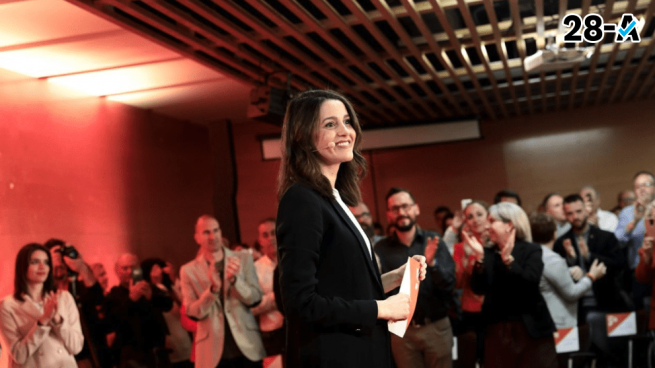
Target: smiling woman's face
{"type": "Point", "coordinates": [334, 127]}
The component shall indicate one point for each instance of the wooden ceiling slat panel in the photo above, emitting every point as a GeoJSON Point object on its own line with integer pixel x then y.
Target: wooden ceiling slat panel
{"type": "Point", "coordinates": [338, 22]}
{"type": "Point", "coordinates": [258, 26]}
{"type": "Point", "coordinates": [401, 60]}
{"type": "Point", "coordinates": [419, 57]}
{"type": "Point", "coordinates": [520, 44]}
{"type": "Point", "coordinates": [500, 49]}
{"type": "Point", "coordinates": [594, 58]}
{"type": "Point", "coordinates": [484, 31]}
{"type": "Point", "coordinates": [647, 51]}
{"type": "Point", "coordinates": [273, 58]}
{"type": "Point", "coordinates": [441, 16]}
{"type": "Point", "coordinates": [541, 43]}
{"type": "Point", "coordinates": [610, 62]}
{"type": "Point", "coordinates": [331, 60]}
{"type": "Point", "coordinates": [584, 11]}
{"type": "Point", "coordinates": [248, 76]}
{"type": "Point", "coordinates": [409, 62]}
{"type": "Point", "coordinates": [218, 40]}
{"type": "Point", "coordinates": [470, 23]}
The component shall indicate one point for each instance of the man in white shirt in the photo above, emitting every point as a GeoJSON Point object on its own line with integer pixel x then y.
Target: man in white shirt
{"type": "Point", "coordinates": [271, 321]}
{"type": "Point", "coordinates": [605, 220]}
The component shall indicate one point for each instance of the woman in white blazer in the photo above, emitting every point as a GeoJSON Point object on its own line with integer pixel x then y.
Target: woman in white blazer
{"type": "Point", "coordinates": [39, 328]}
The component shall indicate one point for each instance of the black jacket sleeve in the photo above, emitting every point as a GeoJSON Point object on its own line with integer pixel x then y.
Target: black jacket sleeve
{"type": "Point", "coordinates": [300, 235]}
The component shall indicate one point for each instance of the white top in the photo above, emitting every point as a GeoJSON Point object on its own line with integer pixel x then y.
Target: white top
{"type": "Point", "coordinates": [270, 318]}
{"type": "Point", "coordinates": [354, 220]}
{"type": "Point", "coordinates": [607, 220]}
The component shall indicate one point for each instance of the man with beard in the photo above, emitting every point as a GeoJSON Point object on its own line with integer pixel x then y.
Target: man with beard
{"type": "Point", "coordinates": [429, 338]}
{"type": "Point", "coordinates": [631, 230]}
{"type": "Point", "coordinates": [581, 246]}
{"type": "Point", "coordinates": [363, 216]}
{"type": "Point", "coordinates": [584, 244]}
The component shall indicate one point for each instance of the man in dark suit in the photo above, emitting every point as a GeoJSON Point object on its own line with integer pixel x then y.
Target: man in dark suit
{"type": "Point", "coordinates": [584, 244]}
{"type": "Point", "coordinates": [429, 338]}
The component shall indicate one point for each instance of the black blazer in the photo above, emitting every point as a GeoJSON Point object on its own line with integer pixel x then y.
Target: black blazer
{"type": "Point", "coordinates": [329, 285]}
{"type": "Point", "coordinates": [512, 294]}
{"type": "Point", "coordinates": [604, 247]}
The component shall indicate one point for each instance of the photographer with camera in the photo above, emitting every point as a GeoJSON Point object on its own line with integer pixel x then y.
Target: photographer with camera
{"type": "Point", "coordinates": [133, 308]}
{"type": "Point", "coordinates": [72, 274]}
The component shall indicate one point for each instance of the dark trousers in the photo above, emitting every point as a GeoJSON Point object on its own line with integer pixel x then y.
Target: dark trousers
{"type": "Point", "coordinates": [153, 358]}
{"type": "Point", "coordinates": [508, 345]}
{"type": "Point", "coordinates": [240, 362]}
{"type": "Point", "coordinates": [470, 340]}
{"type": "Point", "coordinates": [639, 292]}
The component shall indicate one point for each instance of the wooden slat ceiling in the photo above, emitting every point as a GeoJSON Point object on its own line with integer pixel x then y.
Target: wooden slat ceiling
{"type": "Point", "coordinates": [403, 61]}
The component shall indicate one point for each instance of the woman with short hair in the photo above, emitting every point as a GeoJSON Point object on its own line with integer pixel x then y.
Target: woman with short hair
{"type": "Point", "coordinates": [39, 328]}
{"type": "Point", "coordinates": [519, 327]}
{"type": "Point", "coordinates": [332, 292]}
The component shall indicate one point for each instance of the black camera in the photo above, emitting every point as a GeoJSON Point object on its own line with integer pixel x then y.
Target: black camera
{"type": "Point", "coordinates": [68, 251]}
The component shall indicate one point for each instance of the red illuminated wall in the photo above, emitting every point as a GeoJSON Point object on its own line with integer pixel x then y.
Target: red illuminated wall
{"type": "Point", "coordinates": [101, 175]}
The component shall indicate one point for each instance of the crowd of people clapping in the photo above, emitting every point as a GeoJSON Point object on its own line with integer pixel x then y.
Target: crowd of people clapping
{"type": "Point", "coordinates": [499, 280]}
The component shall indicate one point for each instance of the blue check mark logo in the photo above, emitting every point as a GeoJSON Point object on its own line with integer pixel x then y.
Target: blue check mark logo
{"type": "Point", "coordinates": [628, 29]}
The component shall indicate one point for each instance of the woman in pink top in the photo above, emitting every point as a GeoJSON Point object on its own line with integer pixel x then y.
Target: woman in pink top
{"type": "Point", "coordinates": [468, 329]}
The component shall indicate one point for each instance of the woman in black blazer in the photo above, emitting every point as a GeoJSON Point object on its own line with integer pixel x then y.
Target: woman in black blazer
{"type": "Point", "coordinates": [519, 327]}
{"type": "Point", "coordinates": [332, 292]}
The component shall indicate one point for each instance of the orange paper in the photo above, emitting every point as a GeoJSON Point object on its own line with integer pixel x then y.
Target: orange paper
{"type": "Point", "coordinates": [409, 285]}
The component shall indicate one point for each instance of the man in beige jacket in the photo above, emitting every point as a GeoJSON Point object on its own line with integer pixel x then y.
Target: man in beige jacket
{"type": "Point", "coordinates": [218, 288]}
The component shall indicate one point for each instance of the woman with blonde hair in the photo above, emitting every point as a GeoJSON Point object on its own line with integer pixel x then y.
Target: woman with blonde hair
{"type": "Point", "coordinates": [519, 327]}
{"type": "Point", "coordinates": [39, 328]}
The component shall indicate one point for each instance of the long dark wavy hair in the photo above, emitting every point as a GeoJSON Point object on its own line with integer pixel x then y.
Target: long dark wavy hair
{"type": "Point", "coordinates": [300, 164]}
{"type": "Point", "coordinates": [20, 274]}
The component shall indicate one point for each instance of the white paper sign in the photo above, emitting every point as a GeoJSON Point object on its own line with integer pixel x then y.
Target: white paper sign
{"type": "Point", "coordinates": [567, 340]}
{"type": "Point", "coordinates": [621, 324]}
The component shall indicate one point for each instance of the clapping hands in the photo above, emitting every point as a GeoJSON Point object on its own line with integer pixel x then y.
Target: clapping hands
{"type": "Point", "coordinates": [568, 247]}
{"type": "Point", "coordinates": [50, 308]}
{"type": "Point", "coordinates": [431, 250]}
{"type": "Point", "coordinates": [475, 245]}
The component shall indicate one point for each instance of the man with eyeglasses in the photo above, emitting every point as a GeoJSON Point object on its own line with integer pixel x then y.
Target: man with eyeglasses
{"type": "Point", "coordinates": [363, 216]}
{"type": "Point", "coordinates": [429, 338]}
{"type": "Point", "coordinates": [631, 229]}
